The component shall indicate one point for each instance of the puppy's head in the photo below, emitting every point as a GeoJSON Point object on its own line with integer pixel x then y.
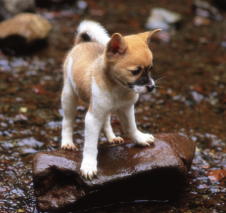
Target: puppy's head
{"type": "Point", "coordinates": [129, 61]}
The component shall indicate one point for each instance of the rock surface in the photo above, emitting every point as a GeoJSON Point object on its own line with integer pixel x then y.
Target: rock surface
{"type": "Point", "coordinates": [205, 10]}
{"type": "Point", "coordinates": [52, 3]}
{"type": "Point", "coordinates": [23, 31]}
{"type": "Point", "coordinates": [166, 20]}
{"type": "Point", "coordinates": [220, 3]}
{"type": "Point", "coordinates": [125, 173]}
{"type": "Point", "coordinates": [163, 19]}
{"type": "Point", "coordinates": [13, 7]}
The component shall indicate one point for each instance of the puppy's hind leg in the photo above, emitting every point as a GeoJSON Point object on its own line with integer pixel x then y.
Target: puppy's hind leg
{"type": "Point", "coordinates": [68, 100]}
{"type": "Point", "coordinates": [109, 132]}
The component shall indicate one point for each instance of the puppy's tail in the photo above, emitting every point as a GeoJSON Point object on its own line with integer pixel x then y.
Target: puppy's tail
{"type": "Point", "coordinates": [91, 31]}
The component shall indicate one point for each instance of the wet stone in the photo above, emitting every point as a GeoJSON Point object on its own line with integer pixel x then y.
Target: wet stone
{"type": "Point", "coordinates": [206, 10]}
{"type": "Point", "coordinates": [9, 8]}
{"type": "Point", "coordinates": [52, 3]}
{"type": "Point", "coordinates": [163, 19]}
{"type": "Point", "coordinates": [220, 3]}
{"type": "Point", "coordinates": [24, 32]}
{"type": "Point", "coordinates": [125, 173]}
{"type": "Point", "coordinates": [31, 142]}
{"type": "Point", "coordinates": [53, 124]}
{"type": "Point", "coordinates": [27, 151]}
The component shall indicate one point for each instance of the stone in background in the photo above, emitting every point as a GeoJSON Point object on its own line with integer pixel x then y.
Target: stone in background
{"type": "Point", "coordinates": [10, 8]}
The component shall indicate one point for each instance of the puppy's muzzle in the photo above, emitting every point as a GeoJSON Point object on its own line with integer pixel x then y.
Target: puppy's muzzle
{"type": "Point", "coordinates": [150, 88]}
{"type": "Point", "coordinates": [143, 88]}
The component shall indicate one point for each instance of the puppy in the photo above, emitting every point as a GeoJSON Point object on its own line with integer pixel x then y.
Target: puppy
{"type": "Point", "coordinates": [107, 73]}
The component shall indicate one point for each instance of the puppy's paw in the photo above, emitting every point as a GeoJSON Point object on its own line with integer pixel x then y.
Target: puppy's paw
{"type": "Point", "coordinates": [89, 169]}
{"type": "Point", "coordinates": [144, 139]}
{"type": "Point", "coordinates": [116, 140]}
{"type": "Point", "coordinates": [69, 146]}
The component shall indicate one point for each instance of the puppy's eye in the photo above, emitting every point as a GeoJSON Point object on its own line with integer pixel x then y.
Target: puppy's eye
{"type": "Point", "coordinates": [136, 71]}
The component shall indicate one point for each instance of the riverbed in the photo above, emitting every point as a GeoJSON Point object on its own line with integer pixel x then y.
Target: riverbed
{"type": "Point", "coordinates": [190, 99]}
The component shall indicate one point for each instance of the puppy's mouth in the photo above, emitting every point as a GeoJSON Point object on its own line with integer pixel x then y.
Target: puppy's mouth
{"type": "Point", "coordinates": [142, 89]}
{"type": "Point", "coordinates": [138, 88]}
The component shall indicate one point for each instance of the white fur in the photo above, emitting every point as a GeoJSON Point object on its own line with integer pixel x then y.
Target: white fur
{"type": "Point", "coordinates": [68, 104]}
{"type": "Point", "coordinates": [143, 89]}
{"type": "Point", "coordinates": [108, 129]}
{"type": "Point", "coordinates": [127, 117]}
{"type": "Point", "coordinates": [93, 123]}
{"type": "Point", "coordinates": [152, 82]}
{"type": "Point", "coordinates": [104, 102]}
{"type": "Point", "coordinates": [68, 100]}
{"type": "Point", "coordinates": [140, 89]}
{"type": "Point", "coordinates": [94, 30]}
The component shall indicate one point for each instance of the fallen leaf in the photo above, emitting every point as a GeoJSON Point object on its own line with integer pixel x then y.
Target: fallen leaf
{"type": "Point", "coordinates": [217, 175]}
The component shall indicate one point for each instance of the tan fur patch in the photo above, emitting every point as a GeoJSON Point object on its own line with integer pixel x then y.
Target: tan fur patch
{"type": "Point", "coordinates": [137, 54]}
{"type": "Point", "coordinates": [86, 65]}
{"type": "Point", "coordinates": [83, 56]}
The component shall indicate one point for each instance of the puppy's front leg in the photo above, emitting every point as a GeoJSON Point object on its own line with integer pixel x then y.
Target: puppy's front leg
{"type": "Point", "coordinates": [127, 117]}
{"type": "Point", "coordinates": [93, 124]}
{"type": "Point", "coordinates": [109, 132]}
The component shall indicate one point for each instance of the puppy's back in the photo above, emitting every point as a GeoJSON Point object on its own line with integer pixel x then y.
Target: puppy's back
{"type": "Point", "coordinates": [82, 57]}
{"type": "Point", "coordinates": [90, 42]}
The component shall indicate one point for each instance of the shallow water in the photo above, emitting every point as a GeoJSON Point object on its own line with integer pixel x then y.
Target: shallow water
{"type": "Point", "coordinates": [191, 99]}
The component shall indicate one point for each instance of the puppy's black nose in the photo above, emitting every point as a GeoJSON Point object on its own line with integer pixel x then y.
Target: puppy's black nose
{"type": "Point", "coordinates": [150, 88]}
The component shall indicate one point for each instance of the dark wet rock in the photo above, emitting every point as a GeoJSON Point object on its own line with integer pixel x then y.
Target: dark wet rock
{"type": "Point", "coordinates": [126, 172]}
{"type": "Point", "coordinates": [23, 32]}
{"type": "Point", "coordinates": [221, 4]}
{"type": "Point", "coordinates": [211, 141]}
{"type": "Point", "coordinates": [166, 20]}
{"type": "Point", "coordinates": [17, 192]}
{"type": "Point", "coordinates": [6, 144]}
{"type": "Point", "coordinates": [27, 151]}
{"type": "Point", "coordinates": [54, 124]}
{"type": "Point", "coordinates": [52, 3]}
{"type": "Point", "coordinates": [82, 5]}
{"type": "Point", "coordinates": [31, 142]}
{"type": "Point", "coordinates": [201, 21]}
{"type": "Point", "coordinates": [205, 10]}
{"type": "Point", "coordinates": [223, 44]}
{"type": "Point", "coordinates": [197, 97]}
{"type": "Point", "coordinates": [163, 19]}
{"type": "Point", "coordinates": [28, 146]}
{"type": "Point", "coordinates": [13, 7]}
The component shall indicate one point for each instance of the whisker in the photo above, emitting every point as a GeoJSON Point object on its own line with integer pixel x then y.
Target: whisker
{"type": "Point", "coordinates": [156, 86]}
{"type": "Point", "coordinates": [162, 77]}
{"type": "Point", "coordinates": [159, 79]}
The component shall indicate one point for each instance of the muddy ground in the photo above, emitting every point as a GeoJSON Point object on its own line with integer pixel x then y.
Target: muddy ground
{"type": "Point", "coordinates": [191, 99]}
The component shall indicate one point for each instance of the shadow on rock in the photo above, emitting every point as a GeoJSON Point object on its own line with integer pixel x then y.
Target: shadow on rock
{"type": "Point", "coordinates": [24, 33]}
{"type": "Point", "coordinates": [18, 45]}
{"type": "Point", "coordinates": [126, 173]}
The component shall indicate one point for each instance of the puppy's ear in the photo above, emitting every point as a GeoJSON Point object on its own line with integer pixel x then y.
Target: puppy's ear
{"type": "Point", "coordinates": [149, 36]}
{"type": "Point", "coordinates": [116, 45]}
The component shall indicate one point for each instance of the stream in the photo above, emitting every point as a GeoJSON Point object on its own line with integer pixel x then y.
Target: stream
{"type": "Point", "coordinates": [190, 99]}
